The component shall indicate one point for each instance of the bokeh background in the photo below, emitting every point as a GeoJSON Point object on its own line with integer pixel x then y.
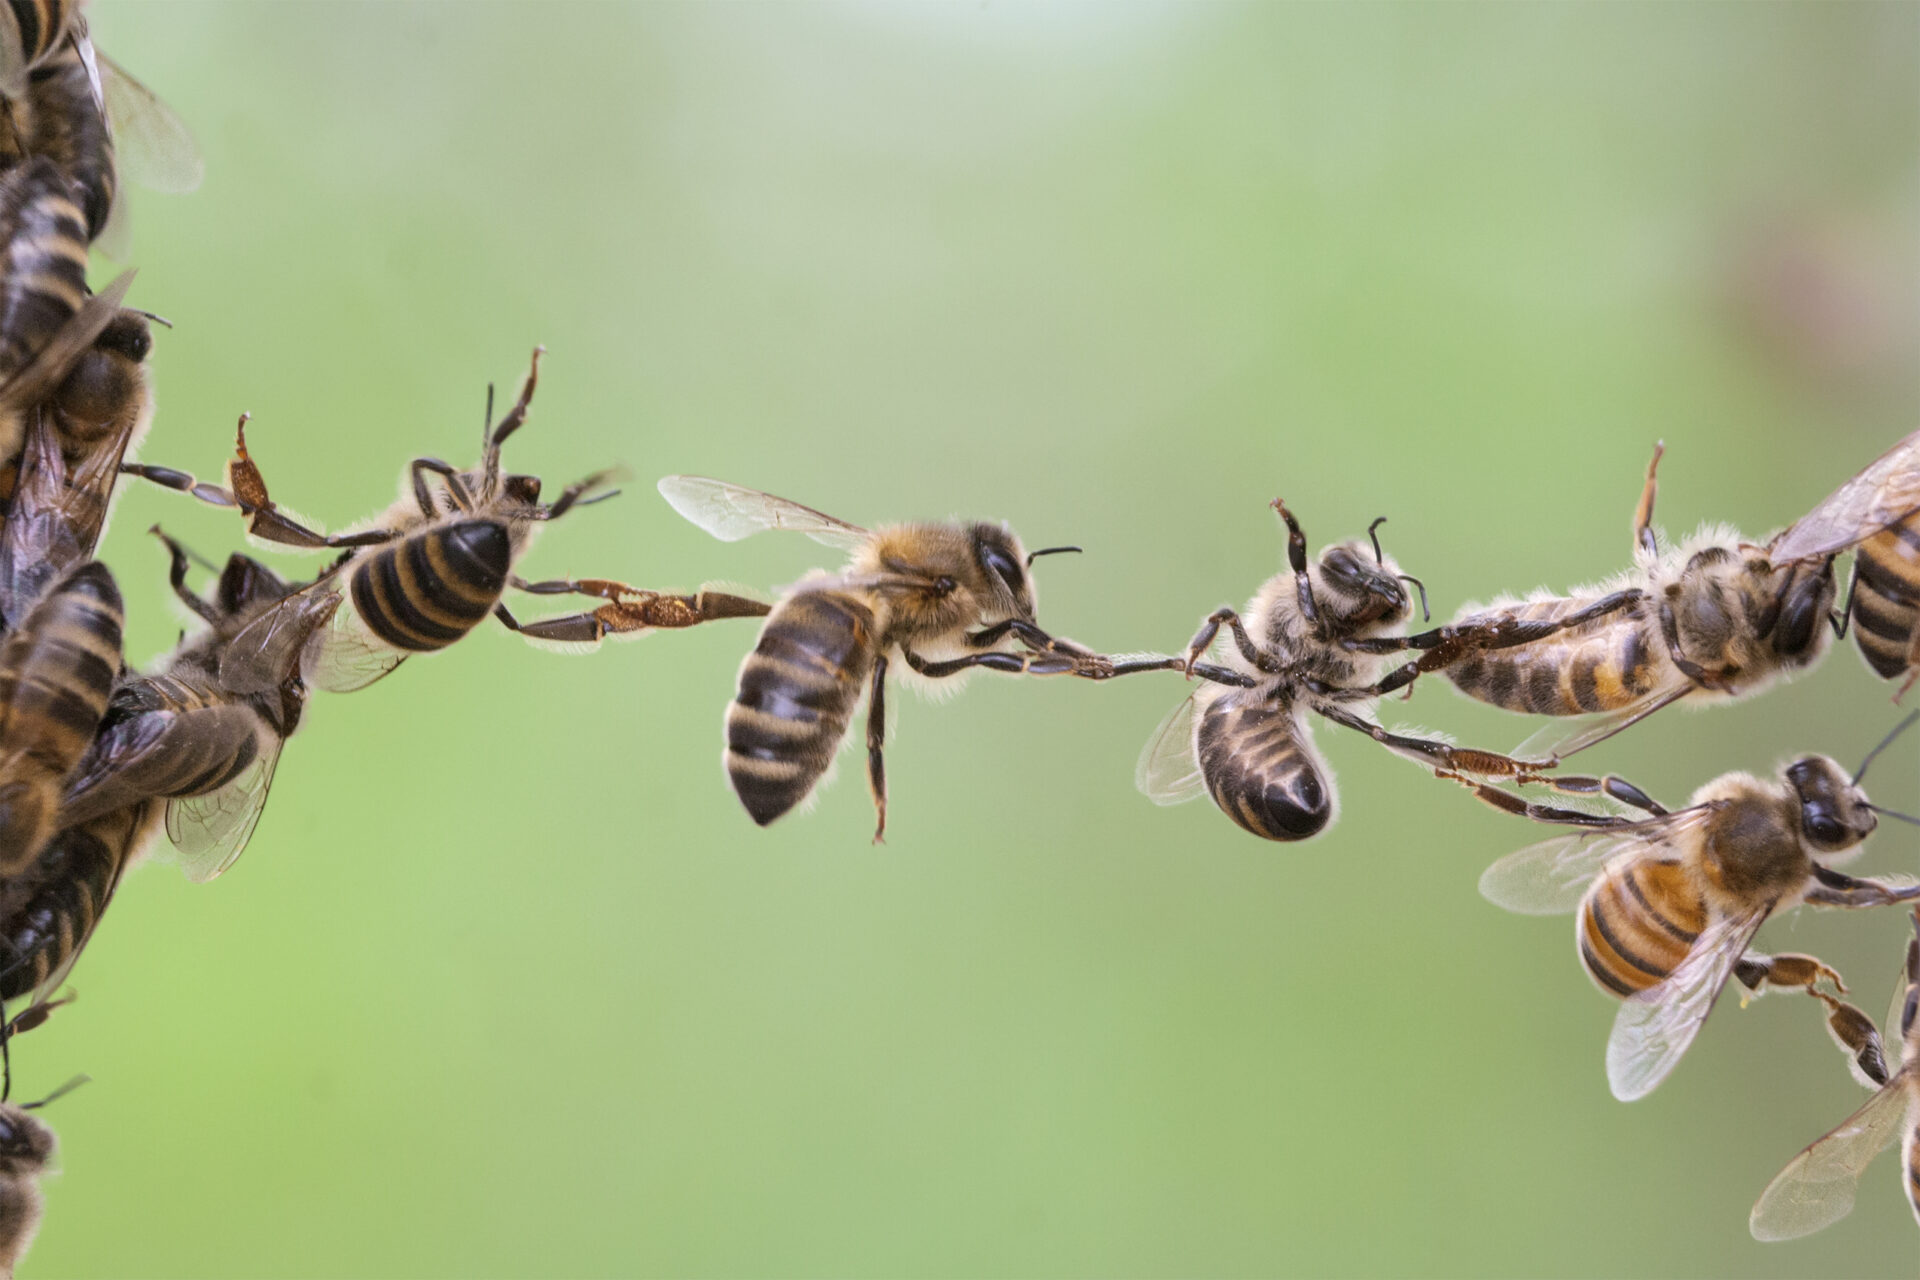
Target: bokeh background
{"type": "Point", "coordinates": [508, 983]}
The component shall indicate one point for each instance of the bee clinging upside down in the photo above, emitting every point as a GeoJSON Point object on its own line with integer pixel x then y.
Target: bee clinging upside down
{"type": "Point", "coordinates": [432, 568]}
{"type": "Point", "coordinates": [1668, 903]}
{"type": "Point", "coordinates": [1715, 618]}
{"type": "Point", "coordinates": [942, 598]}
{"type": "Point", "coordinates": [1817, 1187]}
{"type": "Point", "coordinates": [1314, 638]}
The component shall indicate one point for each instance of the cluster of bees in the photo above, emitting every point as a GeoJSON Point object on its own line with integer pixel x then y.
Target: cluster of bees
{"type": "Point", "coordinates": [97, 759]}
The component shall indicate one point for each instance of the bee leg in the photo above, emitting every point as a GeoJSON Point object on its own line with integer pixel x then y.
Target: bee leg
{"type": "Point", "coordinates": [1297, 558]}
{"type": "Point", "coordinates": [1858, 1038]}
{"type": "Point", "coordinates": [876, 739]}
{"type": "Point", "coordinates": [1434, 753]}
{"type": "Point", "coordinates": [1507, 802]}
{"type": "Point", "coordinates": [1722, 681]}
{"type": "Point", "coordinates": [177, 577]}
{"type": "Point", "coordinates": [1851, 1029]}
{"type": "Point", "coordinates": [1838, 889]}
{"type": "Point", "coordinates": [630, 609]}
{"type": "Point", "coordinates": [1443, 646]}
{"type": "Point", "coordinates": [181, 482]}
{"type": "Point", "coordinates": [1845, 616]}
{"type": "Point", "coordinates": [1203, 640]}
{"type": "Point", "coordinates": [1033, 664]}
{"type": "Point", "coordinates": [1643, 538]}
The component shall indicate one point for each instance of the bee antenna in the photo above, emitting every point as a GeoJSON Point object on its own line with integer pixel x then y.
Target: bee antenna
{"type": "Point", "coordinates": [1049, 551]}
{"type": "Point", "coordinates": [1378, 558]}
{"type": "Point", "coordinates": [61, 1092]}
{"type": "Point", "coordinates": [1421, 587]}
{"type": "Point", "coordinates": [1885, 742]}
{"type": "Point", "coordinates": [486, 423]}
{"type": "Point", "coordinates": [1889, 813]}
{"type": "Point", "coordinates": [159, 320]}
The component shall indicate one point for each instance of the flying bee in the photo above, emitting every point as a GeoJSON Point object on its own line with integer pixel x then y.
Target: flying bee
{"type": "Point", "coordinates": [26, 1149]}
{"type": "Point", "coordinates": [1817, 1187]}
{"type": "Point", "coordinates": [1714, 618]}
{"type": "Point", "coordinates": [431, 569]}
{"type": "Point", "coordinates": [944, 599]}
{"type": "Point", "coordinates": [1668, 903]}
{"type": "Point", "coordinates": [180, 734]}
{"type": "Point", "coordinates": [57, 670]}
{"type": "Point", "coordinates": [79, 109]}
{"type": "Point", "coordinates": [1877, 513]}
{"type": "Point", "coordinates": [1314, 638]}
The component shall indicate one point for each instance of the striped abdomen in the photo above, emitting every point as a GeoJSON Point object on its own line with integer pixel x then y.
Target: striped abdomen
{"type": "Point", "coordinates": [66, 126]}
{"type": "Point", "coordinates": [48, 912]}
{"type": "Point", "coordinates": [43, 260]}
{"type": "Point", "coordinates": [1886, 598]}
{"type": "Point", "coordinates": [56, 674]}
{"type": "Point", "coordinates": [1260, 766]}
{"type": "Point", "coordinates": [798, 689]}
{"type": "Point", "coordinates": [1603, 665]}
{"type": "Point", "coordinates": [1637, 924]}
{"type": "Point", "coordinates": [41, 24]}
{"type": "Point", "coordinates": [434, 585]}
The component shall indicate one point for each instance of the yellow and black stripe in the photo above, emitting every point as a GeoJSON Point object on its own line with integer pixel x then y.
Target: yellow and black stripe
{"type": "Point", "coordinates": [64, 124]}
{"type": "Point", "coordinates": [798, 689]}
{"type": "Point", "coordinates": [43, 260]}
{"type": "Point", "coordinates": [430, 588]}
{"type": "Point", "coordinates": [1600, 666]}
{"type": "Point", "coordinates": [1259, 766]}
{"type": "Point", "coordinates": [48, 912]}
{"type": "Point", "coordinates": [1886, 597]}
{"type": "Point", "coordinates": [42, 25]}
{"type": "Point", "coordinates": [57, 670]}
{"type": "Point", "coordinates": [1637, 924]}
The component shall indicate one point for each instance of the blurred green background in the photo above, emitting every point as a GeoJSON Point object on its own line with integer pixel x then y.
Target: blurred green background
{"type": "Point", "coordinates": [510, 985]}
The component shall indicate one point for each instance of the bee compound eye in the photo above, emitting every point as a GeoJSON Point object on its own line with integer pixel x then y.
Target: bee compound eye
{"type": "Point", "coordinates": [1824, 830]}
{"type": "Point", "coordinates": [1009, 571]}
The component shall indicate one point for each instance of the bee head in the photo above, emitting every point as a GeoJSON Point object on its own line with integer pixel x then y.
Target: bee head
{"type": "Point", "coordinates": [246, 582]}
{"type": "Point", "coordinates": [22, 1137]}
{"type": "Point", "coordinates": [107, 381]}
{"type": "Point", "coordinates": [1834, 813]}
{"type": "Point", "coordinates": [1002, 565]}
{"type": "Point", "coordinates": [1356, 589]}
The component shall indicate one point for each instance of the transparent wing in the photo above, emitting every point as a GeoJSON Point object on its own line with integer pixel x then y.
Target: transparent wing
{"type": "Point", "coordinates": [731, 512]}
{"type": "Point", "coordinates": [1654, 1028]}
{"type": "Point", "coordinates": [268, 650]}
{"type": "Point", "coordinates": [344, 655]}
{"type": "Point", "coordinates": [1569, 736]}
{"type": "Point", "coordinates": [36, 379]}
{"type": "Point", "coordinates": [1887, 491]}
{"type": "Point", "coordinates": [152, 145]}
{"type": "Point", "coordinates": [1817, 1187]}
{"type": "Point", "coordinates": [1168, 772]}
{"type": "Point", "coordinates": [210, 832]}
{"type": "Point", "coordinates": [1550, 878]}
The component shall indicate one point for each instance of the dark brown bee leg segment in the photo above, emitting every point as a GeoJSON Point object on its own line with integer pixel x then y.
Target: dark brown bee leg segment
{"type": "Point", "coordinates": [1297, 560]}
{"type": "Point", "coordinates": [1857, 1037]}
{"type": "Point", "coordinates": [876, 739]}
{"type": "Point", "coordinates": [1785, 971]}
{"type": "Point", "coordinates": [1203, 640]}
{"type": "Point", "coordinates": [1643, 512]}
{"type": "Point", "coordinates": [1507, 802]}
{"type": "Point", "coordinates": [1439, 755]}
{"type": "Point", "coordinates": [181, 482]}
{"type": "Point", "coordinates": [631, 609]}
{"type": "Point", "coordinates": [1205, 670]}
{"type": "Point", "coordinates": [1852, 1030]}
{"type": "Point", "coordinates": [1845, 616]}
{"type": "Point", "coordinates": [1610, 786]}
{"type": "Point", "coordinates": [1033, 664]}
{"type": "Point", "coordinates": [1837, 889]}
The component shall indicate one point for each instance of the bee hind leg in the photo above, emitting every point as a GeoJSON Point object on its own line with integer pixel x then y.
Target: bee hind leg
{"type": "Point", "coordinates": [1434, 753]}
{"type": "Point", "coordinates": [628, 610]}
{"type": "Point", "coordinates": [1851, 1029]}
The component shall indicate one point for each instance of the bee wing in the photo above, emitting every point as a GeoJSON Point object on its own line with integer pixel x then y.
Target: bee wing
{"type": "Point", "coordinates": [268, 650]}
{"type": "Point", "coordinates": [1169, 772]}
{"type": "Point", "coordinates": [1551, 878]}
{"type": "Point", "coordinates": [344, 655]}
{"type": "Point", "coordinates": [1654, 1028]}
{"type": "Point", "coordinates": [152, 145]}
{"type": "Point", "coordinates": [1568, 736]}
{"type": "Point", "coordinates": [209, 832]}
{"type": "Point", "coordinates": [731, 512]}
{"type": "Point", "coordinates": [1817, 1187]}
{"type": "Point", "coordinates": [36, 379]}
{"type": "Point", "coordinates": [1886, 492]}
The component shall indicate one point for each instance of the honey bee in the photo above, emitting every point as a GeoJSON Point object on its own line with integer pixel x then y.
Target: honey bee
{"type": "Point", "coordinates": [429, 571]}
{"type": "Point", "coordinates": [26, 1149]}
{"type": "Point", "coordinates": [1668, 903]}
{"type": "Point", "coordinates": [57, 670]}
{"type": "Point", "coordinates": [1878, 514]}
{"type": "Point", "coordinates": [1315, 638]}
{"type": "Point", "coordinates": [1714, 618]}
{"type": "Point", "coordinates": [1817, 1187]}
{"type": "Point", "coordinates": [81, 111]}
{"type": "Point", "coordinates": [944, 599]}
{"type": "Point", "coordinates": [182, 735]}
{"type": "Point", "coordinates": [48, 912]}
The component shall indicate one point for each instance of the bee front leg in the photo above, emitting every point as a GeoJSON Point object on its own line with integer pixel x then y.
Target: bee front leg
{"type": "Point", "coordinates": [876, 740]}
{"type": "Point", "coordinates": [1837, 889]}
{"type": "Point", "coordinates": [1297, 560]}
